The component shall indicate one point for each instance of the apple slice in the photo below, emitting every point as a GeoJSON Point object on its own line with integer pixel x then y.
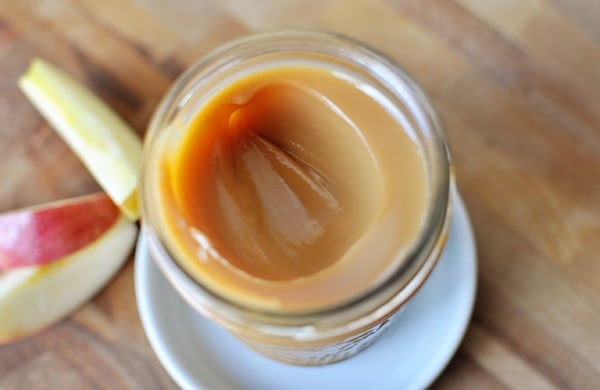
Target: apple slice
{"type": "Point", "coordinates": [46, 233]}
{"type": "Point", "coordinates": [55, 257]}
{"type": "Point", "coordinates": [104, 142]}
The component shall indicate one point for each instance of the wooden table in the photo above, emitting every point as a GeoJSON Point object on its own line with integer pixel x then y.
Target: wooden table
{"type": "Point", "coordinates": [517, 84]}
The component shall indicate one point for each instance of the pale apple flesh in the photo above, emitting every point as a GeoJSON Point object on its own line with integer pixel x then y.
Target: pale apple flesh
{"type": "Point", "coordinates": [43, 234]}
{"type": "Point", "coordinates": [104, 142]}
{"type": "Point", "coordinates": [34, 297]}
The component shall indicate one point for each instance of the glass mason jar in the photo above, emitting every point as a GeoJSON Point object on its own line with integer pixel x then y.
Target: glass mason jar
{"type": "Point", "coordinates": [325, 335]}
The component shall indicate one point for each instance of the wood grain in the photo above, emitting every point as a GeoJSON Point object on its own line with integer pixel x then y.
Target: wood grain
{"type": "Point", "coordinates": [517, 84]}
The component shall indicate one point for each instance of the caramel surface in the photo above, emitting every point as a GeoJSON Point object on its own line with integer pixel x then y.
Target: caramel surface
{"type": "Point", "coordinates": [292, 187]}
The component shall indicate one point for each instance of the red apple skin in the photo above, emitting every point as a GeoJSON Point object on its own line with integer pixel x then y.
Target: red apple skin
{"type": "Point", "coordinates": [43, 234]}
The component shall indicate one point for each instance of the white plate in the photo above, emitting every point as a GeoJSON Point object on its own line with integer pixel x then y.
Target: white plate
{"type": "Point", "coordinates": [410, 355]}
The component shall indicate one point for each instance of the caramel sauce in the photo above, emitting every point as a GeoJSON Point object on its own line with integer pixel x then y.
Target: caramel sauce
{"type": "Point", "coordinates": [294, 188]}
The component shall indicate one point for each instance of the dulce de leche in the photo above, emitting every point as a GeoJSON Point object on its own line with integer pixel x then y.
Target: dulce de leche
{"type": "Point", "coordinates": [294, 188]}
